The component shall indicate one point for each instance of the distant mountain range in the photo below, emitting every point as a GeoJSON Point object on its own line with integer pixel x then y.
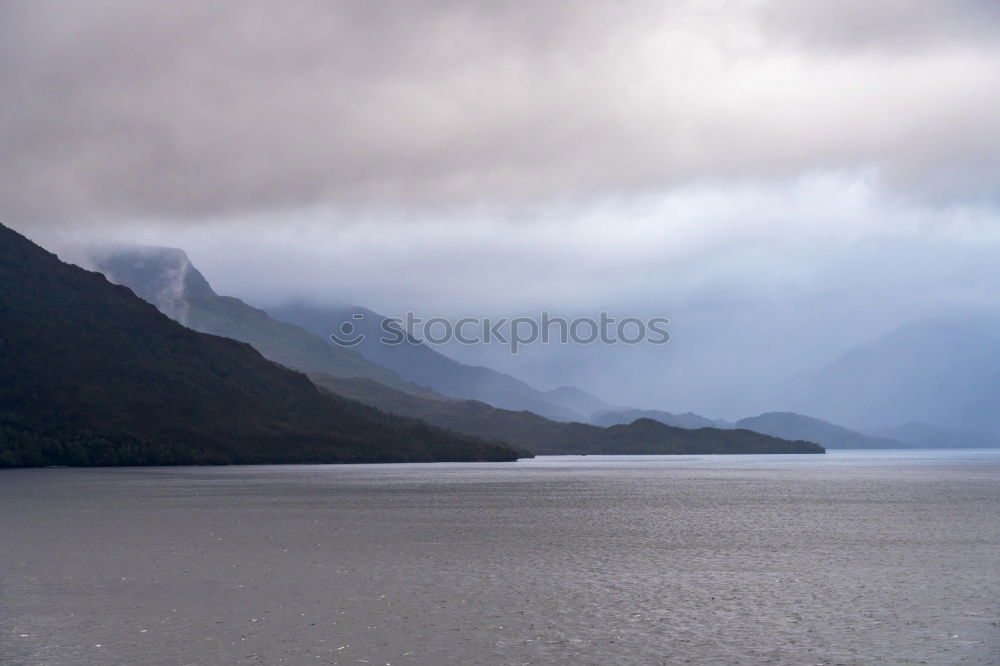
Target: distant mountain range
{"type": "Point", "coordinates": [544, 436]}
{"type": "Point", "coordinates": [930, 383]}
{"type": "Point", "coordinates": [90, 374]}
{"type": "Point", "coordinates": [797, 426]}
{"type": "Point", "coordinates": [786, 425]}
{"type": "Point", "coordinates": [944, 372]}
{"type": "Point", "coordinates": [418, 363]}
{"type": "Point", "coordinates": [789, 425]}
{"type": "Point", "coordinates": [686, 420]}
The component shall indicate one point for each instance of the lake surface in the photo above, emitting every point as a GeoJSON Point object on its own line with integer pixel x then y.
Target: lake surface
{"type": "Point", "coordinates": [854, 557]}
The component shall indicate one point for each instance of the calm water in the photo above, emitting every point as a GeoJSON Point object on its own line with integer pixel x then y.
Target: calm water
{"type": "Point", "coordinates": [852, 557]}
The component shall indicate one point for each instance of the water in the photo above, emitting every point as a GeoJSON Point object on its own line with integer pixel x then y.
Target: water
{"type": "Point", "coordinates": [853, 557]}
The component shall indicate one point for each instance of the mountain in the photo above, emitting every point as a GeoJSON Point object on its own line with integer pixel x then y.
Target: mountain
{"type": "Point", "coordinates": [944, 372]}
{"type": "Point", "coordinates": [578, 400]}
{"type": "Point", "coordinates": [922, 435]}
{"type": "Point", "coordinates": [686, 420]}
{"type": "Point", "coordinates": [646, 436]}
{"type": "Point", "coordinates": [416, 362]}
{"type": "Point", "coordinates": [796, 426]}
{"type": "Point", "coordinates": [786, 425]}
{"type": "Point", "coordinates": [90, 374]}
{"type": "Point", "coordinates": [544, 436]}
{"type": "Point", "coordinates": [166, 278]}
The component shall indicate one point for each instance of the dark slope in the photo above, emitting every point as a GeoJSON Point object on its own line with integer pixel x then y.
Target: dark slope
{"type": "Point", "coordinates": [92, 375]}
{"type": "Point", "coordinates": [416, 362]}
{"type": "Point", "coordinates": [166, 278]}
{"type": "Point", "coordinates": [543, 436]}
{"type": "Point", "coordinates": [646, 436]}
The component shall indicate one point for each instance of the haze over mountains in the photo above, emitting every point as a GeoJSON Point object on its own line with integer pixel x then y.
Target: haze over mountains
{"type": "Point", "coordinates": [416, 362]}
{"type": "Point", "coordinates": [797, 426]}
{"type": "Point", "coordinates": [425, 377]}
{"type": "Point", "coordinates": [535, 433]}
{"type": "Point", "coordinates": [787, 425]}
{"type": "Point", "coordinates": [166, 277]}
{"type": "Point", "coordinates": [942, 371]}
{"type": "Point", "coordinates": [686, 420]}
{"type": "Point", "coordinates": [925, 436]}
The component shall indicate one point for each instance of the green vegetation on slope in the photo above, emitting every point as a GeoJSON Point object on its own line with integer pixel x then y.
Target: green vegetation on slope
{"type": "Point", "coordinates": [90, 374]}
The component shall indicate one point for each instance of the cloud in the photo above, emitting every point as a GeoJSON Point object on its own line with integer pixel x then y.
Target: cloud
{"type": "Point", "coordinates": [783, 179]}
{"type": "Point", "coordinates": [887, 25]}
{"type": "Point", "coordinates": [186, 113]}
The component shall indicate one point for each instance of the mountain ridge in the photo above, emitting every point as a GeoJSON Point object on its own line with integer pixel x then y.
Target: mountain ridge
{"type": "Point", "coordinates": [830, 435]}
{"type": "Point", "coordinates": [543, 436]}
{"type": "Point", "coordinates": [943, 371]}
{"type": "Point", "coordinates": [786, 425]}
{"type": "Point", "coordinates": [686, 420]}
{"type": "Point", "coordinates": [90, 374]}
{"type": "Point", "coordinates": [166, 278]}
{"type": "Point", "coordinates": [417, 362]}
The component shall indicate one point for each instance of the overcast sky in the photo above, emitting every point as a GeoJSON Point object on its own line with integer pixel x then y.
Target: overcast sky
{"type": "Point", "coordinates": [781, 178]}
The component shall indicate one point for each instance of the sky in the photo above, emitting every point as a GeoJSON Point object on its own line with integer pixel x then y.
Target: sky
{"type": "Point", "coordinates": [782, 179]}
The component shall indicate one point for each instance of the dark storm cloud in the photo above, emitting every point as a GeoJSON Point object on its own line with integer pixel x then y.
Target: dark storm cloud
{"type": "Point", "coordinates": [189, 110]}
